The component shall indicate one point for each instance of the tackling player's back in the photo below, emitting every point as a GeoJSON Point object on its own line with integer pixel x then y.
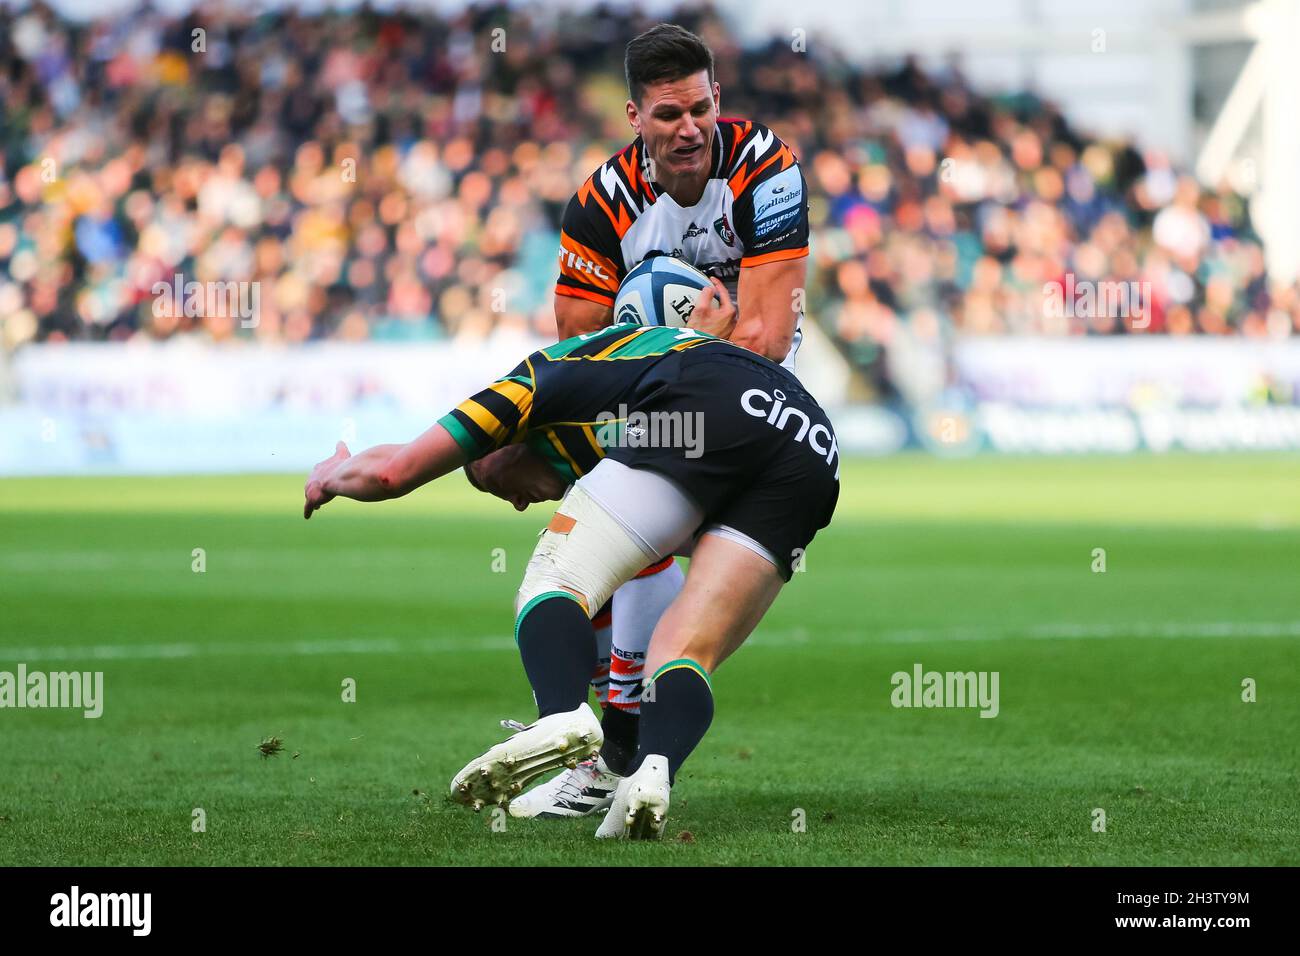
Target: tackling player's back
{"type": "Point", "coordinates": [560, 398]}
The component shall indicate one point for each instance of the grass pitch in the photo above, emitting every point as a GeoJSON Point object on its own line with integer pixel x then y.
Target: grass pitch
{"type": "Point", "coordinates": [1119, 690]}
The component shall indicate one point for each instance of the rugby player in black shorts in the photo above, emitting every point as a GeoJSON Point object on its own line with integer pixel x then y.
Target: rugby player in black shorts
{"type": "Point", "coordinates": [758, 477]}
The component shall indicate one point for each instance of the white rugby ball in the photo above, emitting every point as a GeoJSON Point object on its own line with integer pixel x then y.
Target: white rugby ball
{"type": "Point", "coordinates": [660, 291]}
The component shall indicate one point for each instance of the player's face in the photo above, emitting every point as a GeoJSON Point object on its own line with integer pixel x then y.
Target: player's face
{"type": "Point", "coordinates": [677, 120]}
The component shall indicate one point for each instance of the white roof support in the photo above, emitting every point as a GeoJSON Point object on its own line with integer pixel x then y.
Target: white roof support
{"type": "Point", "coordinates": [1268, 86]}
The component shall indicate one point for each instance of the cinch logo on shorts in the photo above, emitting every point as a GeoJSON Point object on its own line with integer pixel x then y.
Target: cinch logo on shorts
{"type": "Point", "coordinates": [778, 414]}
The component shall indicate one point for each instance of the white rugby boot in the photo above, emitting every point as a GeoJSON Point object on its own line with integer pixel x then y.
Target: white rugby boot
{"type": "Point", "coordinates": [587, 788]}
{"type": "Point", "coordinates": [640, 808]}
{"type": "Point", "coordinates": [498, 776]}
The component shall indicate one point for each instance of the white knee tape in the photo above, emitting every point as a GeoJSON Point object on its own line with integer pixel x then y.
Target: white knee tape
{"type": "Point", "coordinates": [584, 550]}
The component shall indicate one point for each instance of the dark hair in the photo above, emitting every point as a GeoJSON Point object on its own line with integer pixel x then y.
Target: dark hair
{"type": "Point", "coordinates": [664, 52]}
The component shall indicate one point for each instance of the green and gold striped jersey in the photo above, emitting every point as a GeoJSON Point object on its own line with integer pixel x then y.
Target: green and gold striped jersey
{"type": "Point", "coordinates": [568, 401]}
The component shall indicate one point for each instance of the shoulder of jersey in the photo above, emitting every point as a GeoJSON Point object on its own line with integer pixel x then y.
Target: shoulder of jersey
{"type": "Point", "coordinates": [750, 152]}
{"type": "Point", "coordinates": [617, 192]}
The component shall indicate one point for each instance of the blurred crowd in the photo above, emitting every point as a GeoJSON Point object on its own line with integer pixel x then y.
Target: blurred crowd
{"type": "Point", "coordinates": [390, 176]}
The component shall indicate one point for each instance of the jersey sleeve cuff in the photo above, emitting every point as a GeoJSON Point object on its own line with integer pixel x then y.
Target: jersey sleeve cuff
{"type": "Point", "coordinates": [461, 435]}
{"type": "Point", "coordinates": [777, 256]}
{"type": "Point", "coordinates": [572, 292]}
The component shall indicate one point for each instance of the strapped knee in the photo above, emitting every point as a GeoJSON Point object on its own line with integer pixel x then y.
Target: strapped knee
{"type": "Point", "coordinates": [584, 552]}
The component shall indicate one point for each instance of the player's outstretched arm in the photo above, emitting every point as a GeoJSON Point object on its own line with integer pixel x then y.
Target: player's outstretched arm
{"type": "Point", "coordinates": [384, 471]}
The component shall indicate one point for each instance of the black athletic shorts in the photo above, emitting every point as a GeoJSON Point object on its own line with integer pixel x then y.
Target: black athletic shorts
{"type": "Point", "coordinates": [768, 463]}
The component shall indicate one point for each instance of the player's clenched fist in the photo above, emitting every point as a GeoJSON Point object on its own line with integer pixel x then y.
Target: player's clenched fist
{"type": "Point", "coordinates": [516, 475]}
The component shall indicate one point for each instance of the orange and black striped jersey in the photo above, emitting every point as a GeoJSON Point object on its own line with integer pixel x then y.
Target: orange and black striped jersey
{"type": "Point", "coordinates": [568, 402]}
{"type": "Point", "coordinates": [754, 210]}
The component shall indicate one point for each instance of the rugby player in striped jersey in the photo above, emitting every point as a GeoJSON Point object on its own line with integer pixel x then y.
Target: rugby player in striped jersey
{"type": "Point", "coordinates": [727, 196]}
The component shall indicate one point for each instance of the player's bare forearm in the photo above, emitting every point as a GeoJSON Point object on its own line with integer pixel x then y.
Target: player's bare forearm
{"type": "Point", "coordinates": [384, 471]}
{"type": "Point", "coordinates": [574, 316]}
{"type": "Point", "coordinates": [769, 295]}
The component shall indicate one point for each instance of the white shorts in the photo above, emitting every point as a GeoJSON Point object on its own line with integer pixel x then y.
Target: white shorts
{"type": "Point", "coordinates": [654, 510]}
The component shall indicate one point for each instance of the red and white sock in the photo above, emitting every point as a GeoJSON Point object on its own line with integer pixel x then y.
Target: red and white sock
{"type": "Point", "coordinates": [637, 607]}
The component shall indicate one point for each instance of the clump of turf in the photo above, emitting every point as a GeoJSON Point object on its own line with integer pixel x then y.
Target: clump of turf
{"type": "Point", "coordinates": [270, 747]}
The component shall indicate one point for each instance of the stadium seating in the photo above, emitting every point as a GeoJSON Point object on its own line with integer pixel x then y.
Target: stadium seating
{"type": "Point", "coordinates": [393, 177]}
